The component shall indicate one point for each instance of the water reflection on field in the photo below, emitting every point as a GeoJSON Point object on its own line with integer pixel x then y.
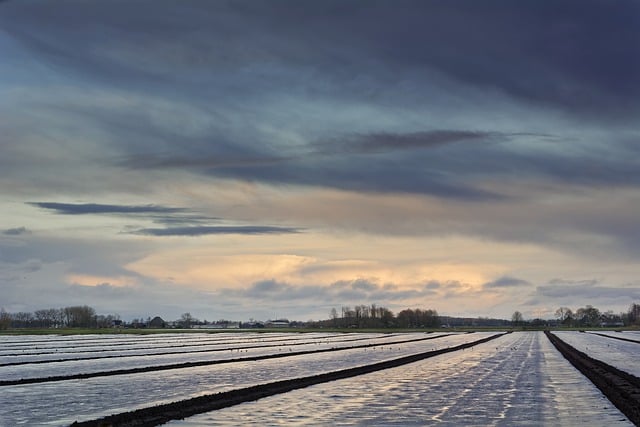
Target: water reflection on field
{"type": "Point", "coordinates": [62, 402]}
{"type": "Point", "coordinates": [519, 379]}
{"type": "Point", "coordinates": [621, 354]}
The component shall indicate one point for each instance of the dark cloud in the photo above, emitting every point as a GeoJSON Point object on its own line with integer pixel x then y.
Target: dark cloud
{"type": "Point", "coordinates": [586, 283]}
{"type": "Point", "coordinates": [187, 219]}
{"type": "Point", "coordinates": [406, 173]}
{"type": "Point", "coordinates": [16, 273]}
{"type": "Point", "coordinates": [101, 258]}
{"type": "Point", "coordinates": [275, 290]}
{"type": "Point", "coordinates": [545, 53]}
{"type": "Point", "coordinates": [387, 141]}
{"type": "Point", "coordinates": [246, 55]}
{"type": "Point", "coordinates": [177, 216]}
{"type": "Point", "coordinates": [268, 286]}
{"type": "Point", "coordinates": [16, 231]}
{"type": "Point", "coordinates": [588, 290]}
{"type": "Point", "coordinates": [506, 282]}
{"type": "Point", "coordinates": [433, 284]}
{"type": "Point", "coordinates": [208, 230]}
{"type": "Point", "coordinates": [94, 208]}
{"type": "Point", "coordinates": [208, 162]}
{"type": "Point", "coordinates": [342, 292]}
{"type": "Point", "coordinates": [445, 163]}
{"type": "Point", "coordinates": [168, 216]}
{"type": "Point", "coordinates": [358, 173]}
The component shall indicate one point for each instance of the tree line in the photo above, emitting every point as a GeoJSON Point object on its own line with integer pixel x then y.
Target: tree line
{"type": "Point", "coordinates": [591, 316]}
{"type": "Point", "coordinates": [358, 316]}
{"type": "Point", "coordinates": [374, 316]}
{"type": "Point", "coordinates": [80, 316]}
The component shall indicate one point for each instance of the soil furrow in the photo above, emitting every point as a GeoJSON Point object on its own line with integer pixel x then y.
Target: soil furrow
{"type": "Point", "coordinates": [621, 388]}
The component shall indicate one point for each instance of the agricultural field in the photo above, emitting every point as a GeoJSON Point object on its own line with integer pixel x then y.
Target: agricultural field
{"type": "Point", "coordinates": [481, 378]}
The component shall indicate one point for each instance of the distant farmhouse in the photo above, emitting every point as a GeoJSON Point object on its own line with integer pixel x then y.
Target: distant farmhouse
{"type": "Point", "coordinates": [220, 324]}
{"type": "Point", "coordinates": [278, 323]}
{"type": "Point", "coordinates": [252, 324]}
{"type": "Point", "coordinates": [157, 322]}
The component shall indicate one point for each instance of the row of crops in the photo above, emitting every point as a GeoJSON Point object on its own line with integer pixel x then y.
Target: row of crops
{"type": "Point", "coordinates": [516, 378]}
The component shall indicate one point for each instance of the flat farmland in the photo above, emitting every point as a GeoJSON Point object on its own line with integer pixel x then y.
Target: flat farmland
{"type": "Point", "coordinates": [481, 378]}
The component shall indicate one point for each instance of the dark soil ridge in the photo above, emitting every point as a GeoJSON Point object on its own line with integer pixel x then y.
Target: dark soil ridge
{"type": "Point", "coordinates": [621, 388]}
{"type": "Point", "coordinates": [160, 346]}
{"type": "Point", "coordinates": [168, 353]}
{"type": "Point", "coordinates": [615, 338]}
{"type": "Point", "coordinates": [160, 414]}
{"type": "Point", "coordinates": [143, 369]}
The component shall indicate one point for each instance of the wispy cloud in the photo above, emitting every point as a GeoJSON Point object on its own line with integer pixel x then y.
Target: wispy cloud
{"type": "Point", "coordinates": [155, 213]}
{"type": "Point", "coordinates": [506, 282]}
{"type": "Point", "coordinates": [357, 291]}
{"type": "Point", "coordinates": [209, 161]}
{"type": "Point", "coordinates": [207, 230]}
{"type": "Point", "coordinates": [169, 216]}
{"type": "Point", "coordinates": [381, 142]}
{"type": "Point", "coordinates": [586, 290]}
{"type": "Point", "coordinates": [16, 231]}
{"type": "Point", "coordinates": [95, 208]}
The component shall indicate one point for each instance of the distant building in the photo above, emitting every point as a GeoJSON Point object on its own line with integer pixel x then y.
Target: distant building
{"type": "Point", "coordinates": [223, 324]}
{"type": "Point", "coordinates": [612, 324]}
{"type": "Point", "coordinates": [278, 323]}
{"type": "Point", "coordinates": [252, 324]}
{"type": "Point", "coordinates": [157, 322]}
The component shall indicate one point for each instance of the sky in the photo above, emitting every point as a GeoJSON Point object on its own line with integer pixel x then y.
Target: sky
{"type": "Point", "coordinates": [263, 159]}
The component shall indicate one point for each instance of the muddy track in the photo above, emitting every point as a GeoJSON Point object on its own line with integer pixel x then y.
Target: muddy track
{"type": "Point", "coordinates": [621, 388]}
{"type": "Point", "coordinates": [83, 376]}
{"type": "Point", "coordinates": [161, 414]}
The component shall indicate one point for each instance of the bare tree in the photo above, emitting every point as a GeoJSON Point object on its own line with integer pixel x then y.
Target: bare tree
{"type": "Point", "coordinates": [564, 315]}
{"type": "Point", "coordinates": [23, 319]}
{"type": "Point", "coordinates": [57, 314]}
{"type": "Point", "coordinates": [633, 315]}
{"type": "Point", "coordinates": [588, 316]}
{"type": "Point", "coordinates": [334, 317]}
{"type": "Point", "coordinates": [5, 319]}
{"type": "Point", "coordinates": [516, 318]}
{"type": "Point", "coordinates": [186, 320]}
{"type": "Point", "coordinates": [42, 318]}
{"type": "Point", "coordinates": [79, 316]}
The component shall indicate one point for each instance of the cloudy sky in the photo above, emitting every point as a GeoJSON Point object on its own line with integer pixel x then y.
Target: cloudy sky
{"type": "Point", "coordinates": [238, 159]}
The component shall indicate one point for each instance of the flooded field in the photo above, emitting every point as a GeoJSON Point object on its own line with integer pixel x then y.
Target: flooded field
{"type": "Point", "coordinates": [514, 379]}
